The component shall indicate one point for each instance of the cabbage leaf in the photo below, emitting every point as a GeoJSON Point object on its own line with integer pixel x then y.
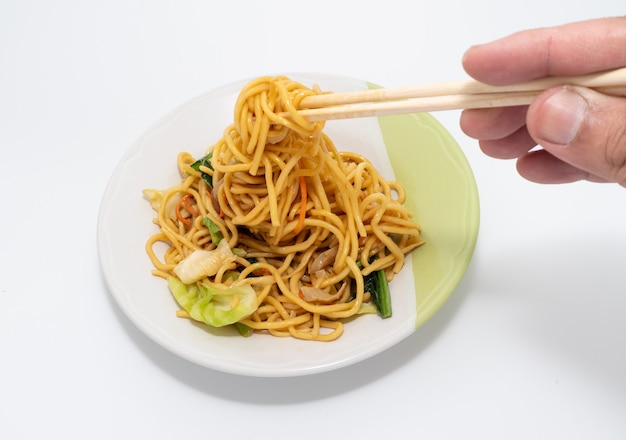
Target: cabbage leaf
{"type": "Point", "coordinates": [215, 305]}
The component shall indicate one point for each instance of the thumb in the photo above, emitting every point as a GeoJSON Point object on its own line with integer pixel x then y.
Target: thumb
{"type": "Point", "coordinates": [583, 128]}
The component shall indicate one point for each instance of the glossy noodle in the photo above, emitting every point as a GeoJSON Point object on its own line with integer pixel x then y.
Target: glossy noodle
{"type": "Point", "coordinates": [275, 230]}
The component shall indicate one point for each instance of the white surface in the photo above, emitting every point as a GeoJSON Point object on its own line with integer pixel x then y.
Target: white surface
{"type": "Point", "coordinates": [531, 345]}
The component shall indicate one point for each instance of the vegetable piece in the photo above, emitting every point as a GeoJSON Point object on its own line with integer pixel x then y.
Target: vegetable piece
{"type": "Point", "coordinates": [204, 161]}
{"type": "Point", "coordinates": [243, 329]}
{"type": "Point", "coordinates": [239, 252]}
{"type": "Point", "coordinates": [201, 264]}
{"type": "Point", "coordinates": [378, 287]}
{"type": "Point", "coordinates": [155, 197]}
{"type": "Point", "coordinates": [368, 309]}
{"type": "Point", "coordinates": [190, 207]}
{"type": "Point", "coordinates": [185, 204]}
{"type": "Point", "coordinates": [214, 305]}
{"type": "Point", "coordinates": [214, 229]}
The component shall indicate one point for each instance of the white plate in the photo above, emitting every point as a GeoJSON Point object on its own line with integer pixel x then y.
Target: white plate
{"type": "Point", "coordinates": [415, 149]}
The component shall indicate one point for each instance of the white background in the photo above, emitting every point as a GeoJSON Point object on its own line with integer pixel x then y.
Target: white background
{"type": "Point", "coordinates": [532, 344]}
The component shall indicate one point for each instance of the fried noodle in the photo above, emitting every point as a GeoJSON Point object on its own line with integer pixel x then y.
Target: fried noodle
{"type": "Point", "coordinates": [309, 222]}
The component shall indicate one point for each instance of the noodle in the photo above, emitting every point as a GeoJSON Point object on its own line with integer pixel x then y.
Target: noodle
{"type": "Point", "coordinates": [306, 222]}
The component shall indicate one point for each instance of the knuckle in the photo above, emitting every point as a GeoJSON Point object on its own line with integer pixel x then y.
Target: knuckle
{"type": "Point", "coordinates": [616, 152]}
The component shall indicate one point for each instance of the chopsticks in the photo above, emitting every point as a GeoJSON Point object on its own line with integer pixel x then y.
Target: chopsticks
{"type": "Point", "coordinates": [448, 96]}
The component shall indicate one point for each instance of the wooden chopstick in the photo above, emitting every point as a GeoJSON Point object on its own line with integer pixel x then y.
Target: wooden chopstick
{"type": "Point", "coordinates": [448, 96]}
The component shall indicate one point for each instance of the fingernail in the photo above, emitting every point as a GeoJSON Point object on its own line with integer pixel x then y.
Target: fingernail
{"type": "Point", "coordinates": [562, 115]}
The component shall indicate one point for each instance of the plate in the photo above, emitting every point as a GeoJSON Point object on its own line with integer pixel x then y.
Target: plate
{"type": "Point", "coordinates": [414, 149]}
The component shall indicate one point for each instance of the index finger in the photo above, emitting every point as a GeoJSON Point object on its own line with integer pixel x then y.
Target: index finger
{"type": "Point", "coordinates": [571, 49]}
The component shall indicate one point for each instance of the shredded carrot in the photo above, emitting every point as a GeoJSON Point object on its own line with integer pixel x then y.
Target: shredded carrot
{"type": "Point", "coordinates": [179, 205]}
{"type": "Point", "coordinates": [188, 206]}
{"type": "Point", "coordinates": [261, 271]}
{"type": "Point", "coordinates": [303, 197]}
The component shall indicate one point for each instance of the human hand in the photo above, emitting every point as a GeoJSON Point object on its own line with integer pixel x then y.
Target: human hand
{"type": "Point", "coordinates": [582, 132]}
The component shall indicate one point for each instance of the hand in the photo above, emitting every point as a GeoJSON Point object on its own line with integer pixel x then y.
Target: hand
{"type": "Point", "coordinates": [582, 133]}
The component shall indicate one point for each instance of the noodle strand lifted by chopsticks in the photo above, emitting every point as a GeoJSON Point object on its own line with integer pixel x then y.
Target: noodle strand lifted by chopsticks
{"type": "Point", "coordinates": [305, 222]}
